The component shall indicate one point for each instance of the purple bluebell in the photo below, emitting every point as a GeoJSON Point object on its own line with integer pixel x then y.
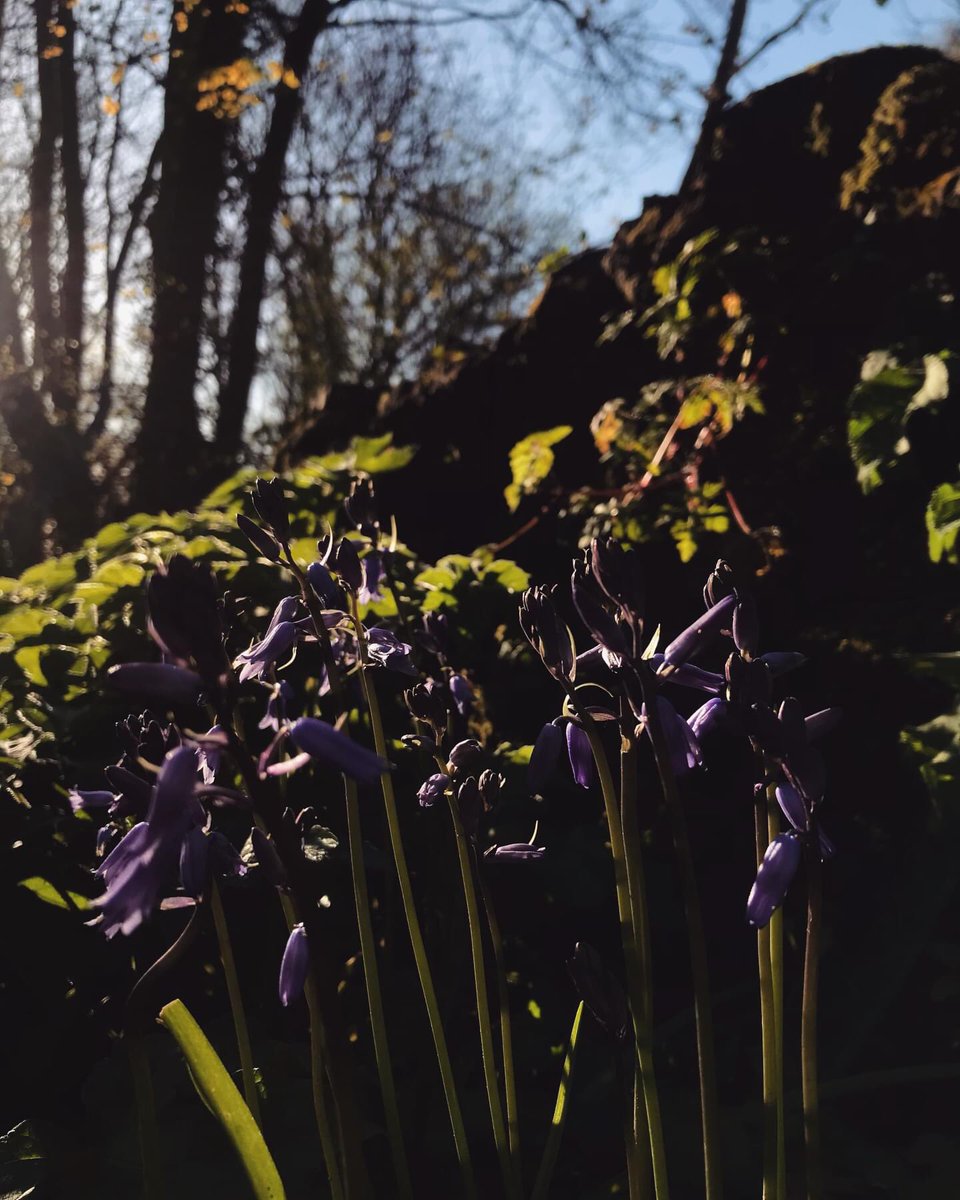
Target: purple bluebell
{"type": "Point", "coordinates": [818, 724]}
{"type": "Point", "coordinates": [386, 649]}
{"type": "Point", "coordinates": [132, 792]}
{"type": "Point", "coordinates": [593, 666]}
{"type": "Point", "coordinates": [210, 753]}
{"type": "Point", "coordinates": [265, 654]}
{"type": "Point", "coordinates": [433, 789]}
{"type": "Point", "coordinates": [369, 592]}
{"type": "Point", "coordinates": [360, 503]}
{"type": "Point", "coordinates": [773, 879]}
{"type": "Point", "coordinates": [544, 756]}
{"type": "Point", "coordinates": [747, 681]}
{"type": "Point", "coordinates": [690, 675]}
{"type": "Point", "coordinates": [138, 867]}
{"type": "Point", "coordinates": [271, 506]}
{"type": "Point", "coordinates": [295, 966]}
{"type": "Point", "coordinates": [265, 544]}
{"type": "Point", "coordinates": [793, 806]}
{"type": "Point", "coordinates": [709, 717]}
{"type": "Point", "coordinates": [462, 692]}
{"type": "Point", "coordinates": [517, 852]}
{"type": "Point", "coordinates": [464, 755]}
{"type": "Point", "coordinates": [194, 857]}
{"type": "Point", "coordinates": [683, 749]}
{"type": "Point", "coordinates": [470, 805]}
{"type": "Point", "coordinates": [591, 605]}
{"type": "Point", "coordinates": [700, 633]}
{"type": "Point", "coordinates": [325, 587]}
{"type": "Point", "coordinates": [165, 681]}
{"type": "Point", "coordinates": [85, 801]}
{"type": "Point", "coordinates": [107, 837]}
{"type": "Point", "coordinates": [419, 741]}
{"type": "Point", "coordinates": [580, 755]}
{"type": "Point", "coordinates": [618, 573]}
{"type": "Point", "coordinates": [321, 741]}
{"type": "Point", "coordinates": [346, 563]}
{"type": "Point", "coordinates": [548, 634]}
{"type": "Point", "coordinates": [281, 695]}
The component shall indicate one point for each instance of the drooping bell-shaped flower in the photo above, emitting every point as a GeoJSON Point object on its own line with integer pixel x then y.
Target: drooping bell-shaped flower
{"type": "Point", "coordinates": [461, 690]}
{"type": "Point", "coordinates": [428, 703]}
{"type": "Point", "coordinates": [281, 695]}
{"type": "Point", "coordinates": [491, 785]}
{"type": "Point", "coordinates": [325, 587]}
{"type": "Point", "coordinates": [386, 649]}
{"type": "Point", "coordinates": [295, 966]}
{"type": "Point", "coordinates": [85, 801]}
{"type": "Point", "coordinates": [433, 789]}
{"type": "Point", "coordinates": [328, 745]}
{"type": "Point", "coordinates": [544, 757]}
{"type": "Point", "coordinates": [265, 654]}
{"type": "Point", "coordinates": [773, 879]}
{"type": "Point", "coordinates": [708, 717]}
{"type": "Point", "coordinates": [346, 563]}
{"type": "Point", "coordinates": [464, 756]}
{"type": "Point", "coordinates": [580, 755]}
{"type": "Point", "coordinates": [683, 749]}
{"type": "Point", "coordinates": [517, 852]}
{"type": "Point", "coordinates": [372, 574]}
{"type": "Point", "coordinates": [700, 633]}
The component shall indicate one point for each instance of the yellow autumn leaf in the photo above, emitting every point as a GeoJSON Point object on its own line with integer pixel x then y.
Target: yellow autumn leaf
{"type": "Point", "coordinates": [151, 36]}
{"type": "Point", "coordinates": [290, 79]}
{"type": "Point", "coordinates": [58, 31]}
{"type": "Point", "coordinates": [52, 52]}
{"type": "Point", "coordinates": [384, 136]}
{"type": "Point", "coordinates": [274, 70]}
{"type": "Point", "coordinates": [116, 77]}
{"type": "Point", "coordinates": [181, 20]}
{"type": "Point", "coordinates": [732, 305]}
{"type": "Point", "coordinates": [18, 88]}
{"type": "Point", "coordinates": [110, 106]}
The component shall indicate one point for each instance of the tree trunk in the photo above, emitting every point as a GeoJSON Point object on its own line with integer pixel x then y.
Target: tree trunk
{"type": "Point", "coordinates": [265, 192]}
{"type": "Point", "coordinates": [170, 455]}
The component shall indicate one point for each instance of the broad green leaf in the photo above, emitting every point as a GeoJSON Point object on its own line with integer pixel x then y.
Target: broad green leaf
{"type": "Point", "coordinates": [26, 621]}
{"type": "Point", "coordinates": [111, 536]}
{"type": "Point", "coordinates": [232, 492]}
{"type": "Point", "coordinates": [50, 575]}
{"type": "Point", "coordinates": [90, 592]}
{"type": "Point", "coordinates": [119, 573]}
{"type": "Point", "coordinates": [219, 1093]}
{"type": "Point", "coordinates": [49, 893]}
{"type": "Point", "coordinates": [27, 659]}
{"type": "Point", "coordinates": [943, 522]}
{"type": "Point", "coordinates": [531, 460]}
{"type": "Point", "coordinates": [508, 574]}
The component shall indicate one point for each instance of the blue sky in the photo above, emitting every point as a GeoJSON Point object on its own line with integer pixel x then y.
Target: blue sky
{"type": "Point", "coordinates": [620, 169]}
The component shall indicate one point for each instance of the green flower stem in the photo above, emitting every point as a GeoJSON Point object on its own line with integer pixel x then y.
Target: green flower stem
{"type": "Point", "coordinates": [768, 1023]}
{"type": "Point", "coordinates": [318, 1080]}
{"type": "Point", "coordinates": [808, 1033]}
{"type": "Point", "coordinates": [776, 972]}
{"type": "Point", "coordinates": [633, 858]}
{"type": "Point", "coordinates": [371, 974]}
{"type": "Point", "coordinates": [250, 1092]}
{"type": "Point", "coordinates": [638, 1004]}
{"type": "Point", "coordinates": [703, 1016]}
{"type": "Point", "coordinates": [146, 1118]}
{"type": "Point", "coordinates": [487, 1053]}
{"type": "Point", "coordinates": [506, 1029]}
{"type": "Point", "coordinates": [413, 926]}
{"type": "Point", "coordinates": [542, 1186]}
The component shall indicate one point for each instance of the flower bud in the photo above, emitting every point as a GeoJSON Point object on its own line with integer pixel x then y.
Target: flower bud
{"type": "Point", "coordinates": [433, 789]}
{"type": "Point", "coordinates": [462, 692]}
{"type": "Point", "coordinates": [698, 635]}
{"type": "Point", "coordinates": [464, 755]}
{"type": "Point", "coordinates": [295, 966]}
{"type": "Point", "coordinates": [720, 583]}
{"type": "Point", "coordinates": [329, 745]}
{"type": "Point", "coordinates": [547, 633]}
{"type": "Point", "coordinates": [544, 757]}
{"type": "Point", "coordinates": [588, 600]}
{"type": "Point", "coordinates": [470, 805]}
{"type": "Point", "coordinates": [746, 627]}
{"type": "Point", "coordinates": [580, 755]}
{"type": "Point", "coordinates": [490, 784]}
{"type": "Point", "coordinates": [265, 544]}
{"type": "Point", "coordinates": [773, 879]}
{"type": "Point", "coordinates": [175, 685]}
{"type": "Point", "coordinates": [325, 587]}
{"type": "Point", "coordinates": [271, 506]}
{"type": "Point", "coordinates": [428, 703]}
{"type": "Point", "coordinates": [346, 563]}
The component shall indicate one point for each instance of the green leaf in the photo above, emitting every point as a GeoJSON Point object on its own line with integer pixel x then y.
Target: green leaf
{"type": "Point", "coordinates": [27, 659]}
{"type": "Point", "coordinates": [507, 574]}
{"type": "Point", "coordinates": [119, 573]}
{"type": "Point", "coordinates": [51, 575]}
{"type": "Point", "coordinates": [26, 621]}
{"type": "Point", "coordinates": [219, 1093]}
{"type": "Point", "coordinates": [943, 522]}
{"type": "Point", "coordinates": [49, 893]}
{"type": "Point", "coordinates": [945, 667]}
{"type": "Point", "coordinates": [531, 460]}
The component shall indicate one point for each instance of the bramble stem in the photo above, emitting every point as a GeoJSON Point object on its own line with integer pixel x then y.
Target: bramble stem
{"type": "Point", "coordinates": [371, 975]}
{"type": "Point", "coordinates": [808, 1034]}
{"type": "Point", "coordinates": [250, 1092]}
{"type": "Point", "coordinates": [413, 924]}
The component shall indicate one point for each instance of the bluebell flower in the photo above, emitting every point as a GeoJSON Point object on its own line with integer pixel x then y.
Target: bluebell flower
{"type": "Point", "coordinates": [746, 626]}
{"type": "Point", "coordinates": [544, 756]}
{"type": "Point", "coordinates": [773, 879]}
{"type": "Point", "coordinates": [281, 695]}
{"type": "Point", "coordinates": [325, 587]}
{"type": "Point", "coordinates": [295, 966]}
{"type": "Point", "coordinates": [580, 755]}
{"type": "Point", "coordinates": [591, 604]}
{"type": "Point", "coordinates": [428, 703]}
{"type": "Point", "coordinates": [700, 633]}
{"type": "Point", "coordinates": [210, 753]}
{"type": "Point", "coordinates": [708, 717]}
{"type": "Point", "coordinates": [720, 583]}
{"type": "Point", "coordinates": [271, 506]}
{"type": "Point", "coordinates": [433, 789]}
{"type": "Point", "coordinates": [683, 749]}
{"type": "Point", "coordinates": [618, 573]}
{"type": "Point", "coordinates": [84, 801]}
{"type": "Point", "coordinates": [137, 868]}
{"type": "Point", "coordinates": [346, 563]}
{"type": "Point", "coordinates": [464, 755]}
{"type": "Point", "coordinates": [360, 504]}
{"type": "Point", "coordinates": [462, 692]}
{"type": "Point", "coordinates": [516, 852]}
{"type": "Point", "coordinates": [369, 592]}
{"type": "Point", "coordinates": [548, 634]}
{"type": "Point", "coordinates": [265, 544]}
{"type": "Point", "coordinates": [265, 654]}
{"type": "Point", "coordinates": [491, 785]}
{"type": "Point", "coordinates": [321, 741]}
{"type": "Point", "coordinates": [386, 649]}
